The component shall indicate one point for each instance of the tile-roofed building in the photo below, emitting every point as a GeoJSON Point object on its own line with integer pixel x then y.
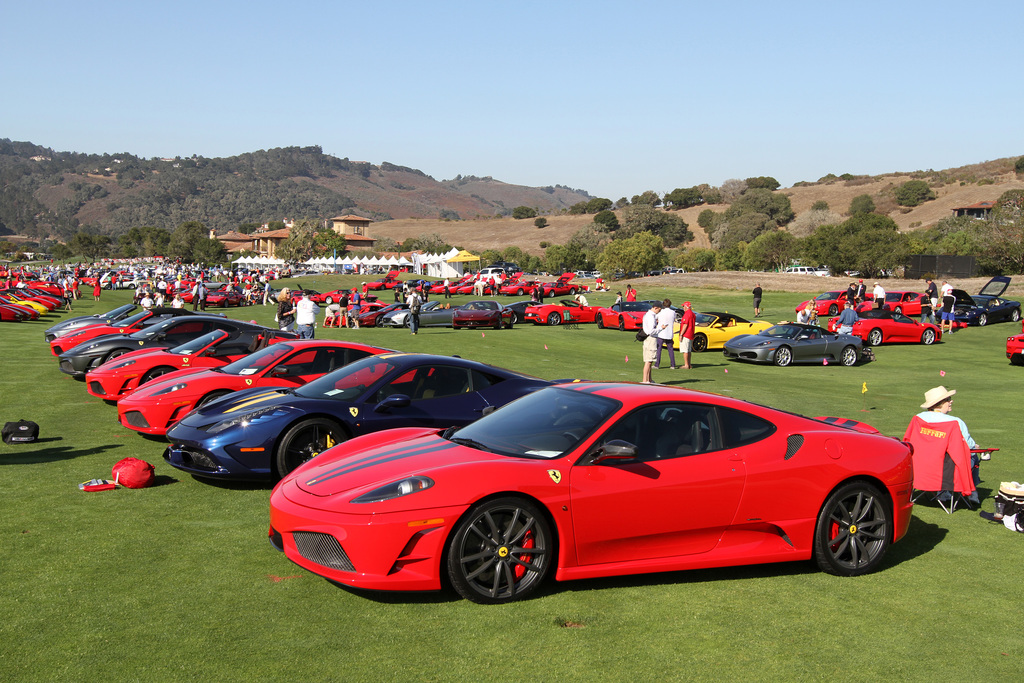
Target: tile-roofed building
{"type": "Point", "coordinates": [979, 210]}
{"type": "Point", "coordinates": [355, 230]}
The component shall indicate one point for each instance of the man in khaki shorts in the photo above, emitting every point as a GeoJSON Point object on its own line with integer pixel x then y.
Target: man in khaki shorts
{"type": "Point", "coordinates": [650, 323]}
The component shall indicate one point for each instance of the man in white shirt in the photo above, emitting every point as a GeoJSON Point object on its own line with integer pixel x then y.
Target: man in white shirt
{"type": "Point", "coordinates": [879, 295]}
{"type": "Point", "coordinates": [414, 302]}
{"type": "Point", "coordinates": [666, 326]}
{"type": "Point", "coordinates": [650, 327]}
{"type": "Point", "coordinates": [305, 316]}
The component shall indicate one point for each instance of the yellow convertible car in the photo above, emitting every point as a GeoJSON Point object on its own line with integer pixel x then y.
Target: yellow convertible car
{"type": "Point", "coordinates": [714, 329]}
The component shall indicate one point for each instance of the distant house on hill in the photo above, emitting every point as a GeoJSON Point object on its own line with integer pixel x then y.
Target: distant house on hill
{"type": "Point", "coordinates": [355, 230]}
{"type": "Point", "coordinates": [979, 210]}
{"type": "Point", "coordinates": [265, 243]}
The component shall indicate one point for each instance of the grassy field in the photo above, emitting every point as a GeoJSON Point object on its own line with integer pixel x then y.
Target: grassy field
{"type": "Point", "coordinates": [178, 582]}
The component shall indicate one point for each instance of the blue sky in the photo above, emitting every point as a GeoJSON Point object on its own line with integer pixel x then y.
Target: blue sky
{"type": "Point", "coordinates": [611, 97]}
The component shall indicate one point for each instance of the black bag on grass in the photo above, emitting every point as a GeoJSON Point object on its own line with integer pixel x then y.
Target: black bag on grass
{"type": "Point", "coordinates": [22, 431]}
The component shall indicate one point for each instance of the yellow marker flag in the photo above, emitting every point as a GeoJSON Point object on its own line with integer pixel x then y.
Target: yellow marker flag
{"type": "Point", "coordinates": [864, 388]}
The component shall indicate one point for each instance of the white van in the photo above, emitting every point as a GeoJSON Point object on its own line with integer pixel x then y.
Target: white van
{"type": "Point", "coordinates": [801, 270]}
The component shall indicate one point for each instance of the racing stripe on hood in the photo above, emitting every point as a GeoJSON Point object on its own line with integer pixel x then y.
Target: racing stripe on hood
{"type": "Point", "coordinates": [389, 455]}
{"type": "Point", "coordinates": [251, 400]}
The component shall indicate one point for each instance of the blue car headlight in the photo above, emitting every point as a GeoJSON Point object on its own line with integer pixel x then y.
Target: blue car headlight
{"type": "Point", "coordinates": [246, 419]}
{"type": "Point", "coordinates": [396, 489]}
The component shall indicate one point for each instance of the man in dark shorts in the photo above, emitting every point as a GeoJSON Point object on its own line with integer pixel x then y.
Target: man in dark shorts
{"type": "Point", "coordinates": [757, 299]}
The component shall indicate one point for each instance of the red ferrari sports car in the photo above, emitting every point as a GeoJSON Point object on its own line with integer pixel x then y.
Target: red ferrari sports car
{"type": "Point", "coordinates": [14, 314]}
{"type": "Point", "coordinates": [438, 287]}
{"type": "Point", "coordinates": [155, 406]}
{"type": "Point", "coordinates": [219, 295]}
{"type": "Point", "coordinates": [907, 303]}
{"type": "Point", "coordinates": [517, 287]}
{"type": "Point", "coordinates": [883, 327]}
{"type": "Point", "coordinates": [127, 372]}
{"type": "Point", "coordinates": [588, 480]}
{"type": "Point", "coordinates": [482, 314]}
{"type": "Point", "coordinates": [1015, 348]}
{"type": "Point", "coordinates": [22, 306]}
{"type": "Point", "coordinates": [565, 311]}
{"type": "Point", "coordinates": [469, 286]}
{"type": "Point", "coordinates": [389, 281]}
{"type": "Point", "coordinates": [829, 303]}
{"type": "Point", "coordinates": [626, 315]}
{"type": "Point", "coordinates": [562, 286]}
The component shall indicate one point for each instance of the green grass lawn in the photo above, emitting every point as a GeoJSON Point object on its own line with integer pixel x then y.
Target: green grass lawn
{"type": "Point", "coordinates": [178, 582]}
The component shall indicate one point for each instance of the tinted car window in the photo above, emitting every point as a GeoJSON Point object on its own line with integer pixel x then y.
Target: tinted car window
{"type": "Point", "coordinates": [740, 429]}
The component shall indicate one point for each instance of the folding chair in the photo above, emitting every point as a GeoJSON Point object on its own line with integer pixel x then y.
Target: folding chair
{"type": "Point", "coordinates": [942, 463]}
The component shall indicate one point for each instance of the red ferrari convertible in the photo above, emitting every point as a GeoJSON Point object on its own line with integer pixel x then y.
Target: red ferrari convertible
{"type": "Point", "coordinates": [565, 311]}
{"type": "Point", "coordinates": [587, 480]}
{"type": "Point", "coordinates": [154, 407]}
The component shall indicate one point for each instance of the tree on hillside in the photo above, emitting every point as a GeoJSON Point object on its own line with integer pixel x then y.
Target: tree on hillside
{"type": "Point", "coordinates": [647, 197]}
{"type": "Point", "coordinates": [706, 218]}
{"type": "Point", "coordinates": [185, 240]}
{"type": "Point", "coordinates": [862, 203]}
{"type": "Point", "coordinates": [1018, 166]}
{"type": "Point", "coordinates": [696, 260]}
{"type": "Point", "coordinates": [760, 200]}
{"type": "Point", "coordinates": [559, 258]}
{"type": "Point", "coordinates": [608, 219]}
{"type": "Point", "coordinates": [771, 251]}
{"type": "Point", "coordinates": [541, 222]}
{"type": "Point", "coordinates": [638, 218]}
{"type": "Point", "coordinates": [913, 193]}
{"type": "Point", "coordinates": [683, 198]}
{"type": "Point", "coordinates": [807, 222]}
{"type": "Point", "coordinates": [521, 212]}
{"type": "Point", "coordinates": [732, 189]}
{"type": "Point", "coordinates": [641, 253]}
{"type": "Point", "coordinates": [598, 204]}
{"type": "Point", "coordinates": [763, 182]}
{"type": "Point", "coordinates": [89, 246]}
{"type": "Point", "coordinates": [732, 257]}
{"type": "Point", "coordinates": [820, 205]}
{"type": "Point", "coordinates": [867, 242]}
{"type": "Point", "coordinates": [430, 243]}
{"type": "Point", "coordinates": [1002, 234]}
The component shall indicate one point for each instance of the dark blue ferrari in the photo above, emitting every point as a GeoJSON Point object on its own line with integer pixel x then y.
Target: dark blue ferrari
{"type": "Point", "coordinates": [266, 433]}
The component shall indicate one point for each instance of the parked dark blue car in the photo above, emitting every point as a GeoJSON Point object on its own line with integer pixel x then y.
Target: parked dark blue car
{"type": "Point", "coordinates": [987, 306]}
{"type": "Point", "coordinates": [266, 433]}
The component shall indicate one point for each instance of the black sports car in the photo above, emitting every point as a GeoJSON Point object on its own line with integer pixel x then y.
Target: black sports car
{"type": "Point", "coordinates": [167, 334]}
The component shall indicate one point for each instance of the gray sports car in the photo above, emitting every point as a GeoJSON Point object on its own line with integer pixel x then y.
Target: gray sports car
{"type": "Point", "coordinates": [788, 343]}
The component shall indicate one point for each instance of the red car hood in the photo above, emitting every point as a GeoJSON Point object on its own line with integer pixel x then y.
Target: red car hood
{"type": "Point", "coordinates": [382, 458]}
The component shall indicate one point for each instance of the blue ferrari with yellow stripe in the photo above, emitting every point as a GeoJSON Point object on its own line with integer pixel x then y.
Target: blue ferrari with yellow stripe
{"type": "Point", "coordinates": [263, 434]}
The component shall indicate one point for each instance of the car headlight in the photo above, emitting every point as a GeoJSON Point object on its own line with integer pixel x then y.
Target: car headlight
{"type": "Point", "coordinates": [396, 490]}
{"type": "Point", "coordinates": [123, 364]}
{"type": "Point", "coordinates": [168, 390]}
{"type": "Point", "coordinates": [766, 343]}
{"type": "Point", "coordinates": [243, 420]}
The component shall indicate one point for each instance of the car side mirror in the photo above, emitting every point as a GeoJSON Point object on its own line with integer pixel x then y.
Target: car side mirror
{"type": "Point", "coordinates": [392, 401]}
{"type": "Point", "coordinates": [280, 371]}
{"type": "Point", "coordinates": [615, 449]}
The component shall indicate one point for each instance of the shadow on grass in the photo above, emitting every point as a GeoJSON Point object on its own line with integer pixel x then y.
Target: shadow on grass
{"type": "Point", "coordinates": [53, 454]}
{"type": "Point", "coordinates": [235, 485]}
{"type": "Point", "coordinates": [407, 598]}
{"type": "Point", "coordinates": [921, 538]}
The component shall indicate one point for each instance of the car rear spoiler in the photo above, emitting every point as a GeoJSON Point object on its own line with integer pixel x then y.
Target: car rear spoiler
{"type": "Point", "coordinates": [856, 426]}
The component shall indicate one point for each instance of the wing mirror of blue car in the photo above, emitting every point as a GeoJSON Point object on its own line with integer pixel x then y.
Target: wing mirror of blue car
{"type": "Point", "coordinates": [614, 450]}
{"type": "Point", "coordinates": [392, 401]}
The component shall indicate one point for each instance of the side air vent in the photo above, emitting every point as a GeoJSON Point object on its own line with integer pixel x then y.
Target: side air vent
{"type": "Point", "coordinates": [793, 444]}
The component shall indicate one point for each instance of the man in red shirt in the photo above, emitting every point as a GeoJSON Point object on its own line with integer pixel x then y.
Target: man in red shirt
{"type": "Point", "coordinates": [630, 293]}
{"type": "Point", "coordinates": [686, 329]}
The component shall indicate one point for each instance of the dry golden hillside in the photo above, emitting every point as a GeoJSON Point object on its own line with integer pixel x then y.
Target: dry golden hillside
{"type": "Point", "coordinates": [954, 187]}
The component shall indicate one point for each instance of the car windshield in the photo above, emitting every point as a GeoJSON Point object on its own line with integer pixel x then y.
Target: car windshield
{"type": "Point", "coordinates": [190, 347]}
{"type": "Point", "coordinates": [349, 382]}
{"type": "Point", "coordinates": [704, 319]}
{"type": "Point", "coordinates": [827, 296]}
{"type": "Point", "coordinates": [259, 361]}
{"type": "Point", "coordinates": [782, 331]}
{"type": "Point", "coordinates": [543, 424]}
{"type": "Point", "coordinates": [634, 306]}
{"type": "Point", "coordinates": [117, 312]}
{"type": "Point", "coordinates": [128, 322]}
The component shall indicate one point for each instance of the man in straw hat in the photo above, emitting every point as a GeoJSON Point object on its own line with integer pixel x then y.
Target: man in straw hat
{"type": "Point", "coordinates": [938, 404]}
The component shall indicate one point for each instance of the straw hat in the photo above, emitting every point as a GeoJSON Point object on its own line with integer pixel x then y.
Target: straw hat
{"type": "Point", "coordinates": [934, 397]}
